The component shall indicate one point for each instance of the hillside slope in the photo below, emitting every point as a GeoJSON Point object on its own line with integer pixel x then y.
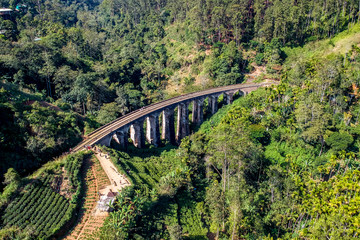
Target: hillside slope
{"type": "Point", "coordinates": [280, 162]}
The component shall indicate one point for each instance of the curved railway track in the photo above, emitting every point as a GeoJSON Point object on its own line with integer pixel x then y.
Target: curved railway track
{"type": "Point", "coordinates": [127, 119]}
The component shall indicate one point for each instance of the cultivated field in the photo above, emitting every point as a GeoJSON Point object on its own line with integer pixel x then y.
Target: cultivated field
{"type": "Point", "coordinates": [90, 220]}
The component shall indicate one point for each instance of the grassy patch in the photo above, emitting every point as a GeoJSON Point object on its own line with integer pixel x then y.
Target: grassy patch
{"type": "Point", "coordinates": [144, 170]}
{"type": "Point", "coordinates": [340, 44]}
{"type": "Point", "coordinates": [215, 119]}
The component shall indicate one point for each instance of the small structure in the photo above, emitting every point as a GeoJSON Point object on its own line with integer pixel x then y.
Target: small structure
{"type": "Point", "coordinates": [105, 201]}
{"type": "Point", "coordinates": [5, 11]}
{"type": "Point", "coordinates": [20, 7]}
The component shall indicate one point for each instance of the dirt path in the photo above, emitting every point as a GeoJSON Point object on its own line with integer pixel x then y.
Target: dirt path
{"type": "Point", "coordinates": [259, 71]}
{"type": "Point", "coordinates": [101, 176]}
{"type": "Point", "coordinates": [90, 221]}
{"type": "Point", "coordinates": [87, 220]}
{"type": "Point", "coordinates": [118, 181]}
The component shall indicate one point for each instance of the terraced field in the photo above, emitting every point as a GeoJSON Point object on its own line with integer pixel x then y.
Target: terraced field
{"type": "Point", "coordinates": [38, 207]}
{"type": "Point", "coordinates": [47, 203]}
{"type": "Point", "coordinates": [90, 220]}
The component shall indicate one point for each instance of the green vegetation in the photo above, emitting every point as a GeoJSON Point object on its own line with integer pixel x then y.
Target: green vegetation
{"type": "Point", "coordinates": [33, 132]}
{"type": "Point", "coordinates": [155, 182]}
{"type": "Point", "coordinates": [40, 208]}
{"type": "Point", "coordinates": [117, 225]}
{"type": "Point", "coordinates": [103, 59]}
{"type": "Point", "coordinates": [279, 163]}
{"type": "Point", "coordinates": [339, 44]}
{"type": "Point", "coordinates": [37, 210]}
{"type": "Point", "coordinates": [136, 169]}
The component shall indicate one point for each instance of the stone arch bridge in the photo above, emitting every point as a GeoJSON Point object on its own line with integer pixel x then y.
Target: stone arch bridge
{"type": "Point", "coordinates": [132, 124]}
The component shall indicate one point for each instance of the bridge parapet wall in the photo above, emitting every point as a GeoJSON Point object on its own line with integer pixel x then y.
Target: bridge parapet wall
{"type": "Point", "coordinates": [118, 130]}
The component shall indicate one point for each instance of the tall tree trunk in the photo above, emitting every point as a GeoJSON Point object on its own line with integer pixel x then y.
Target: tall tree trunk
{"type": "Point", "coordinates": [84, 108]}
{"type": "Point", "coordinates": [322, 145]}
{"type": "Point", "coordinates": [233, 231]}
{"type": "Point", "coordinates": [224, 174]}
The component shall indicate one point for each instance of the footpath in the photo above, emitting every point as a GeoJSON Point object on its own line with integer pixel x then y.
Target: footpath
{"type": "Point", "coordinates": [117, 180]}
{"type": "Point", "coordinates": [101, 177]}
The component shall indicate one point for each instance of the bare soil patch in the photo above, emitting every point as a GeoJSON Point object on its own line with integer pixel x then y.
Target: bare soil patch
{"type": "Point", "coordinates": [260, 74]}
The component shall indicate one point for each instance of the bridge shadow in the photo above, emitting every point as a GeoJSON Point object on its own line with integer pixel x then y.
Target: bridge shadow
{"type": "Point", "coordinates": [155, 211]}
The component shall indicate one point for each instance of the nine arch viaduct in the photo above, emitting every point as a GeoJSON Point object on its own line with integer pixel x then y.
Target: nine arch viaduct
{"type": "Point", "coordinates": [134, 121]}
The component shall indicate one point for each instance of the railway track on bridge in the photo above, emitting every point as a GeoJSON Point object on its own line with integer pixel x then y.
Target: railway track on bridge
{"type": "Point", "coordinates": [129, 118]}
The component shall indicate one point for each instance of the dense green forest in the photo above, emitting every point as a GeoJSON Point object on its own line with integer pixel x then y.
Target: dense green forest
{"type": "Point", "coordinates": [279, 163]}
{"type": "Point", "coordinates": [102, 59]}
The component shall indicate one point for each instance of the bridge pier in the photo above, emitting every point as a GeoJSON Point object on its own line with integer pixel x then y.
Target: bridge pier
{"type": "Point", "coordinates": [183, 128]}
{"type": "Point", "coordinates": [214, 103]}
{"type": "Point", "coordinates": [209, 99]}
{"type": "Point", "coordinates": [200, 117]}
{"type": "Point", "coordinates": [195, 111]}
{"type": "Point", "coordinates": [198, 112]}
{"type": "Point", "coordinates": [152, 130]}
{"type": "Point", "coordinates": [121, 137]}
{"type": "Point", "coordinates": [116, 137]}
{"type": "Point", "coordinates": [229, 97]}
{"type": "Point", "coordinates": [168, 127]}
{"type": "Point", "coordinates": [137, 134]}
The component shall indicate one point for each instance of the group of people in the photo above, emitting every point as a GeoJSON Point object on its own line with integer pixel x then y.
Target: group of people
{"type": "Point", "coordinates": [125, 180]}
{"type": "Point", "coordinates": [87, 147]}
{"type": "Point", "coordinates": [98, 150]}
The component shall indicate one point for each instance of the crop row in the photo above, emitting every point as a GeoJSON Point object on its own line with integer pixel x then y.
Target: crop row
{"type": "Point", "coordinates": [39, 207]}
{"type": "Point", "coordinates": [72, 166]}
{"type": "Point", "coordinates": [20, 204]}
{"type": "Point", "coordinates": [42, 209]}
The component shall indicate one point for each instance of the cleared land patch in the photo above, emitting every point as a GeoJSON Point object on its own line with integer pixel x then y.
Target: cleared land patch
{"type": "Point", "coordinates": [340, 44]}
{"type": "Point", "coordinates": [100, 177]}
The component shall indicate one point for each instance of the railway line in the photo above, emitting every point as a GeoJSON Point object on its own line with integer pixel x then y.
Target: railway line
{"type": "Point", "coordinates": [127, 119]}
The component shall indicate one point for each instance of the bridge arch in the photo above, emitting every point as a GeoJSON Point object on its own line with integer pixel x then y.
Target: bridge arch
{"type": "Point", "coordinates": [132, 124]}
